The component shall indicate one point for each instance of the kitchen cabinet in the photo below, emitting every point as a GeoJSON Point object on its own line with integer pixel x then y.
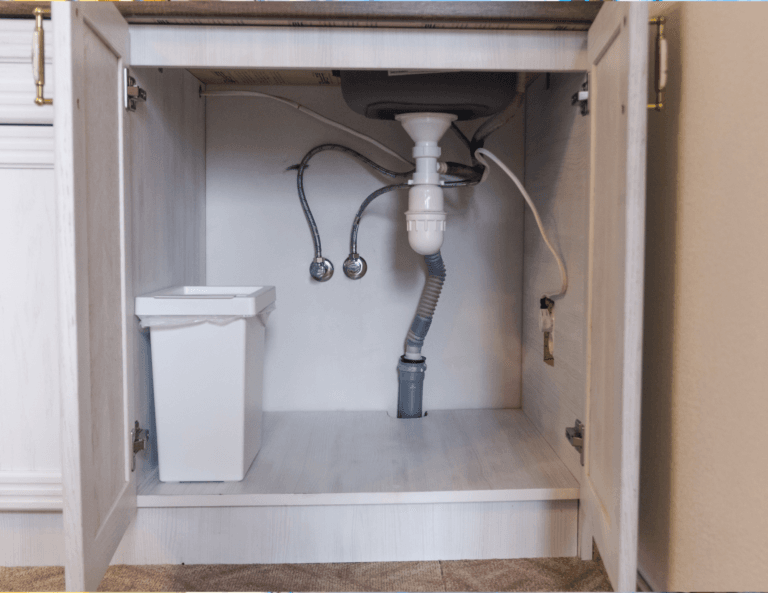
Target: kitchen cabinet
{"type": "Point", "coordinates": [141, 204]}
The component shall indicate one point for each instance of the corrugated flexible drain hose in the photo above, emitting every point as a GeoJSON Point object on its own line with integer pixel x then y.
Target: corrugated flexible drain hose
{"type": "Point", "coordinates": [412, 365]}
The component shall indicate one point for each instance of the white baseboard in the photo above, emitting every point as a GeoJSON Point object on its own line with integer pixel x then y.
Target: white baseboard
{"type": "Point", "coordinates": [30, 491]}
{"type": "Point", "coordinates": [31, 539]}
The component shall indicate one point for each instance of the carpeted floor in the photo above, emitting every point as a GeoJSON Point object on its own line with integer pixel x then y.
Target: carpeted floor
{"type": "Point", "coordinates": [541, 574]}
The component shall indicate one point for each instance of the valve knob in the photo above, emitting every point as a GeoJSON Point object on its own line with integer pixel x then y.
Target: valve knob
{"type": "Point", "coordinates": [321, 269]}
{"type": "Point", "coordinates": [355, 266]}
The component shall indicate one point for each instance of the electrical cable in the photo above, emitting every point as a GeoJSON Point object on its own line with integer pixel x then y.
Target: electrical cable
{"type": "Point", "coordinates": [563, 276]}
{"type": "Point", "coordinates": [309, 112]}
{"type": "Point", "coordinates": [300, 183]}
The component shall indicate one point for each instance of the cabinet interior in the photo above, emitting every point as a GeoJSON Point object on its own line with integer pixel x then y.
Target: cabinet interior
{"type": "Point", "coordinates": [195, 190]}
{"type": "Point", "coordinates": [214, 201]}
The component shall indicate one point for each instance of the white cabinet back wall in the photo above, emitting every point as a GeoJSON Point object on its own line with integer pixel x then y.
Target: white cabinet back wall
{"type": "Point", "coordinates": [334, 345]}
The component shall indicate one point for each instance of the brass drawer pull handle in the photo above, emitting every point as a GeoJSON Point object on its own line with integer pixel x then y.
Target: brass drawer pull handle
{"type": "Point", "coordinates": [38, 56]}
{"type": "Point", "coordinates": [660, 78]}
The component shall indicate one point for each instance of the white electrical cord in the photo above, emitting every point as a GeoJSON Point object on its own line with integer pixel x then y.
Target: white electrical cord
{"type": "Point", "coordinates": [309, 112]}
{"type": "Point", "coordinates": [564, 277]}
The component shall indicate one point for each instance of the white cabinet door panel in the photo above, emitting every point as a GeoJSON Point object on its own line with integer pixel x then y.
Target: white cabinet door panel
{"type": "Point", "coordinates": [617, 50]}
{"type": "Point", "coordinates": [29, 396]}
{"type": "Point", "coordinates": [91, 44]}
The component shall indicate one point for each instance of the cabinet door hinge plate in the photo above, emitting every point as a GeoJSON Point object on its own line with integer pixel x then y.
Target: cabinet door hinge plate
{"type": "Point", "coordinates": [582, 97]}
{"type": "Point", "coordinates": [140, 442]}
{"type": "Point", "coordinates": [575, 436]}
{"type": "Point", "coordinates": [133, 92]}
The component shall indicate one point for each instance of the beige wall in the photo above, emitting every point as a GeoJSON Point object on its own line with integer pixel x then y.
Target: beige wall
{"type": "Point", "coordinates": [704, 475]}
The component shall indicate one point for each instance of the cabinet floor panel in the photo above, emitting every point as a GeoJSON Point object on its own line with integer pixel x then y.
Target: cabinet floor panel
{"type": "Point", "coordinates": [348, 458]}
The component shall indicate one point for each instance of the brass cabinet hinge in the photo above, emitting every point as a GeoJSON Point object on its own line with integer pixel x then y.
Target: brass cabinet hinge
{"type": "Point", "coordinates": [38, 56]}
{"type": "Point", "coordinates": [575, 436]}
{"type": "Point", "coordinates": [140, 442]}
{"type": "Point", "coordinates": [133, 92]}
{"type": "Point", "coordinates": [660, 78]}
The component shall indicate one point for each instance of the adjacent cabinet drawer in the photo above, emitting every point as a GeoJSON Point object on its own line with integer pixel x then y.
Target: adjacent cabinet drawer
{"type": "Point", "coordinates": [17, 88]}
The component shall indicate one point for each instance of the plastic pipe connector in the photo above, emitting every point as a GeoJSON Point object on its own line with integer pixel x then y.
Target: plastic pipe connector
{"type": "Point", "coordinates": [425, 218]}
{"type": "Point", "coordinates": [410, 393]}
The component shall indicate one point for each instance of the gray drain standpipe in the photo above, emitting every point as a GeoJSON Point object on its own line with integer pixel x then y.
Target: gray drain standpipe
{"type": "Point", "coordinates": [412, 365]}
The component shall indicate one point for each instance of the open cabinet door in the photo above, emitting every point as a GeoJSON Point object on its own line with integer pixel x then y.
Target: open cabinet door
{"type": "Point", "coordinates": [91, 49]}
{"type": "Point", "coordinates": [618, 61]}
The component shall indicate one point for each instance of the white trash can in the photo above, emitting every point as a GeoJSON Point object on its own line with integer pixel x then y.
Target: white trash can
{"type": "Point", "coordinates": [207, 369]}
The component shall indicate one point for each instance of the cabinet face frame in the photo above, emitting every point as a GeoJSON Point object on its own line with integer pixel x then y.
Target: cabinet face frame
{"type": "Point", "coordinates": [333, 48]}
{"type": "Point", "coordinates": [613, 521]}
